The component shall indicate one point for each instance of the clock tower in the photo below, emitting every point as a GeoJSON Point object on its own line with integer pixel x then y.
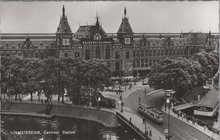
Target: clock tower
{"type": "Point", "coordinates": [125, 33]}
{"type": "Point", "coordinates": [64, 33]}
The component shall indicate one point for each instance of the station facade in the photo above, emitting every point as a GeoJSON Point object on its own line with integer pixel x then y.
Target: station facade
{"type": "Point", "coordinates": [125, 52]}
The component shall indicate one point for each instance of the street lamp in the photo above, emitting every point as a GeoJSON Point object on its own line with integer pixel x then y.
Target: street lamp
{"type": "Point", "coordinates": [98, 101]}
{"type": "Point", "coordinates": [168, 97]}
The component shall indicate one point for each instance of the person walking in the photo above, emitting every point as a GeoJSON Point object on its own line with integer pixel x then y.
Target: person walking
{"type": "Point", "coordinates": [145, 91]}
{"type": "Point", "coordinates": [150, 133]}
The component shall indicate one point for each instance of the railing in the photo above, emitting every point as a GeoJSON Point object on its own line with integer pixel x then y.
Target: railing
{"type": "Point", "coordinates": [135, 128]}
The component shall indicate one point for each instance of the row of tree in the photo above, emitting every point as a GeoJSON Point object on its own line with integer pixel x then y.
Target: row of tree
{"type": "Point", "coordinates": [182, 74]}
{"type": "Point", "coordinates": [51, 76]}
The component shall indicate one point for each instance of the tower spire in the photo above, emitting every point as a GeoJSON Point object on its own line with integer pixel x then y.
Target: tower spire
{"type": "Point", "coordinates": [63, 11]}
{"type": "Point", "coordinates": [125, 12]}
{"type": "Point", "coordinates": [97, 19]}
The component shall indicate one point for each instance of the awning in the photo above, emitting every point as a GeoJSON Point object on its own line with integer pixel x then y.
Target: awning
{"type": "Point", "coordinates": [183, 106]}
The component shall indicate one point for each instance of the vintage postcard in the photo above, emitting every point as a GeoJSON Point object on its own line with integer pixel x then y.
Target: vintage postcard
{"type": "Point", "coordinates": [109, 70]}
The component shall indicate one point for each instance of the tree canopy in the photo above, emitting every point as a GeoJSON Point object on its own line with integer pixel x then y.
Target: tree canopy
{"type": "Point", "coordinates": [182, 74]}
{"type": "Point", "coordinates": [52, 76]}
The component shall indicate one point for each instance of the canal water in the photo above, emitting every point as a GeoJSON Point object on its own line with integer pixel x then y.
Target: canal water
{"type": "Point", "coordinates": [62, 128]}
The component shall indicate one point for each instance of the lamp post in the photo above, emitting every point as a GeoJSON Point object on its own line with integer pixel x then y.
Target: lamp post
{"type": "Point", "coordinates": [98, 101]}
{"type": "Point", "coordinates": [168, 97]}
{"type": "Point", "coordinates": [120, 101]}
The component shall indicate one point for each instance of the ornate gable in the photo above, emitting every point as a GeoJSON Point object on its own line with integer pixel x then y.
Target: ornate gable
{"type": "Point", "coordinates": [28, 44]}
{"type": "Point", "coordinates": [168, 42]}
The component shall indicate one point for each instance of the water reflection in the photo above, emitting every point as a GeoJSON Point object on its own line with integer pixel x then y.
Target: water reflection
{"type": "Point", "coordinates": [61, 128]}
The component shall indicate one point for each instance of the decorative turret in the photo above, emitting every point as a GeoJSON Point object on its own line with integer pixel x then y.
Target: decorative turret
{"type": "Point", "coordinates": [125, 33]}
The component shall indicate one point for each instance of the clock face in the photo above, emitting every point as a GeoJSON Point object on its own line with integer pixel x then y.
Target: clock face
{"type": "Point", "coordinates": [127, 41]}
{"type": "Point", "coordinates": [66, 41]}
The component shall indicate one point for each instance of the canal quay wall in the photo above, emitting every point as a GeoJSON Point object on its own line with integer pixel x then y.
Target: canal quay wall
{"type": "Point", "coordinates": [106, 117]}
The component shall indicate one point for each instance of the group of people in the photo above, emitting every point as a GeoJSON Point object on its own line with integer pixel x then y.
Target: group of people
{"type": "Point", "coordinates": [195, 121]}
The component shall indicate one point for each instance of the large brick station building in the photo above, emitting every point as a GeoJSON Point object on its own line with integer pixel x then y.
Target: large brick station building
{"type": "Point", "coordinates": [125, 52]}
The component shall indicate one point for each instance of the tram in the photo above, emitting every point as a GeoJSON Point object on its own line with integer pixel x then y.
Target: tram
{"type": "Point", "coordinates": [150, 112]}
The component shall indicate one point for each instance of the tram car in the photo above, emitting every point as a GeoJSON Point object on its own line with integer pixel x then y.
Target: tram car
{"type": "Point", "coordinates": [150, 112]}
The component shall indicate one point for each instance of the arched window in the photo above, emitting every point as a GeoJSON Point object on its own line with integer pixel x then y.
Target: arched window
{"type": "Point", "coordinates": [87, 54]}
{"type": "Point", "coordinates": [127, 54]}
{"type": "Point", "coordinates": [107, 52]}
{"type": "Point", "coordinates": [117, 55]}
{"type": "Point", "coordinates": [117, 66]}
{"type": "Point", "coordinates": [97, 52]}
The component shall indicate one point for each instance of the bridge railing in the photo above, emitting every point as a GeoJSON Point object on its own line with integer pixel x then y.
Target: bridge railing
{"type": "Point", "coordinates": [130, 124]}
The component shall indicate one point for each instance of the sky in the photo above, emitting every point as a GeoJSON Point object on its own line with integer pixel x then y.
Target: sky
{"type": "Point", "coordinates": [144, 17]}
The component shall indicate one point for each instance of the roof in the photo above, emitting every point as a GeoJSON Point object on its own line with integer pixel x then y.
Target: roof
{"type": "Point", "coordinates": [125, 26]}
{"type": "Point", "coordinates": [22, 43]}
{"type": "Point", "coordinates": [88, 31]}
{"type": "Point", "coordinates": [145, 105]}
{"type": "Point", "coordinates": [183, 106]}
{"type": "Point", "coordinates": [64, 25]}
{"type": "Point", "coordinates": [159, 42]}
{"type": "Point", "coordinates": [211, 99]}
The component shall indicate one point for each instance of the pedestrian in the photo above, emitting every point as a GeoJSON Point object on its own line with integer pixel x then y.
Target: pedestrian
{"type": "Point", "coordinates": [143, 120]}
{"type": "Point", "coordinates": [178, 114]}
{"type": "Point", "coordinates": [145, 91]}
{"type": "Point", "coordinates": [146, 133]}
{"type": "Point", "coordinates": [139, 99]}
{"type": "Point", "coordinates": [150, 134]}
{"type": "Point", "coordinates": [193, 122]}
{"type": "Point", "coordinates": [181, 114]}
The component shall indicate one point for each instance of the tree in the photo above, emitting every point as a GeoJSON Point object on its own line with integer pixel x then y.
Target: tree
{"type": "Point", "coordinates": [179, 74]}
{"type": "Point", "coordinates": [208, 61]}
{"type": "Point", "coordinates": [96, 76]}
{"type": "Point", "coordinates": [31, 80]}
{"type": "Point", "coordinates": [12, 72]}
{"type": "Point", "coordinates": [48, 77]}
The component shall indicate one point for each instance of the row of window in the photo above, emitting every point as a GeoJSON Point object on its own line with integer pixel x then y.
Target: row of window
{"type": "Point", "coordinates": [145, 62]}
{"type": "Point", "coordinates": [11, 54]}
{"type": "Point", "coordinates": [144, 53]}
{"type": "Point", "coordinates": [27, 47]}
{"type": "Point", "coordinates": [98, 53]}
{"type": "Point", "coordinates": [30, 53]}
{"type": "Point", "coordinates": [159, 43]}
{"type": "Point", "coordinates": [77, 54]}
{"type": "Point", "coordinates": [97, 42]}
